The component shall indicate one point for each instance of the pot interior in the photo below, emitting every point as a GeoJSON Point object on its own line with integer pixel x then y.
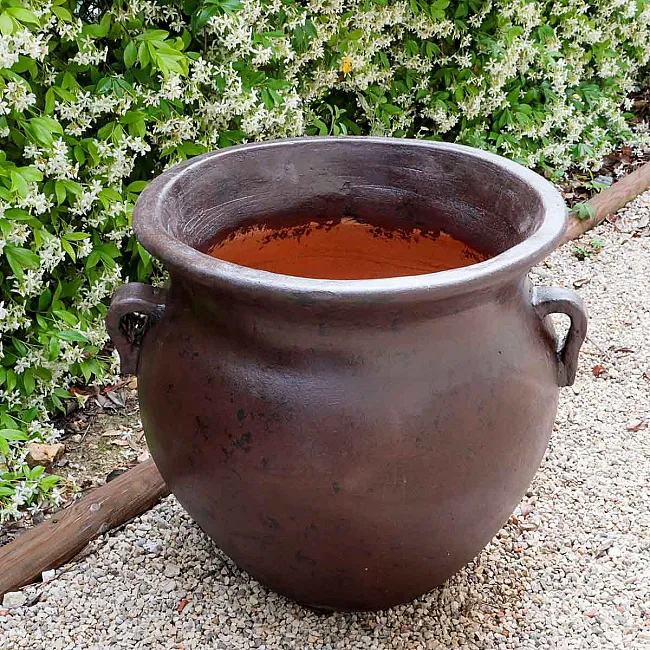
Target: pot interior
{"type": "Point", "coordinates": [405, 206]}
{"type": "Point", "coordinates": [343, 248]}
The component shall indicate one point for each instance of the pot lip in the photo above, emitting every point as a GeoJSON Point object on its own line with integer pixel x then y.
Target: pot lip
{"type": "Point", "coordinates": [186, 262]}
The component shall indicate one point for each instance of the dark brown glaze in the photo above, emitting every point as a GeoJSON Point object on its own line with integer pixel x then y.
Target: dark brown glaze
{"type": "Point", "coordinates": [350, 444]}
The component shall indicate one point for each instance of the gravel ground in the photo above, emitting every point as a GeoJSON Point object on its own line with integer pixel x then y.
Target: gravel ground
{"type": "Point", "coordinates": [571, 569]}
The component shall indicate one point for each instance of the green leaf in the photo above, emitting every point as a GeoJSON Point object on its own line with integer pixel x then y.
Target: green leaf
{"type": "Point", "coordinates": [43, 373]}
{"type": "Point", "coordinates": [30, 174]}
{"type": "Point", "coordinates": [201, 19]}
{"type": "Point", "coordinates": [73, 187]}
{"type": "Point", "coordinates": [20, 346]}
{"type": "Point", "coordinates": [4, 449]}
{"type": "Point", "coordinates": [60, 191]}
{"type": "Point", "coordinates": [110, 194]}
{"type": "Point", "coordinates": [323, 129]}
{"type": "Point", "coordinates": [62, 13]}
{"type": "Point", "coordinates": [44, 300]}
{"type": "Point", "coordinates": [108, 260]}
{"type": "Point", "coordinates": [71, 336]}
{"type": "Point", "coordinates": [130, 54]}
{"type": "Point", "coordinates": [95, 31]}
{"type": "Point", "coordinates": [61, 392]}
{"type": "Point", "coordinates": [48, 482]}
{"type": "Point", "coordinates": [153, 35]}
{"type": "Point", "coordinates": [138, 128]}
{"type": "Point", "coordinates": [143, 55]}
{"type": "Point", "coordinates": [92, 260]}
{"type": "Point", "coordinates": [13, 434]}
{"type": "Point", "coordinates": [50, 101]}
{"type": "Point", "coordinates": [76, 236]}
{"type": "Point", "coordinates": [585, 211]}
{"type": "Point", "coordinates": [24, 256]}
{"type": "Point", "coordinates": [66, 317]}
{"type": "Point", "coordinates": [109, 249]}
{"type": "Point", "coordinates": [85, 370]}
{"type": "Point", "coordinates": [67, 247]}
{"type": "Point", "coordinates": [20, 258]}
{"type": "Point", "coordinates": [104, 86]}
{"type": "Point", "coordinates": [19, 184]}
{"type": "Point", "coordinates": [36, 472]}
{"type": "Point", "coordinates": [24, 15]}
{"type": "Point", "coordinates": [131, 116]}
{"type": "Point", "coordinates": [58, 404]}
{"type": "Point", "coordinates": [6, 24]}
{"type": "Point", "coordinates": [53, 349]}
{"type": "Point", "coordinates": [12, 380]}
{"type": "Point", "coordinates": [42, 129]}
{"type": "Point", "coordinates": [230, 6]}
{"type": "Point", "coordinates": [137, 186]}
{"type": "Point", "coordinates": [28, 381]}
{"type": "Point", "coordinates": [79, 154]}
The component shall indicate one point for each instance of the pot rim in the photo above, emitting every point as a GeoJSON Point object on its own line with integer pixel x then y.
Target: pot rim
{"type": "Point", "coordinates": [188, 262]}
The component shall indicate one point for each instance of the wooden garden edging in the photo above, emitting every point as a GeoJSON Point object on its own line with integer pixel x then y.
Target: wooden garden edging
{"type": "Point", "coordinates": [57, 540]}
{"type": "Point", "coordinates": [609, 201]}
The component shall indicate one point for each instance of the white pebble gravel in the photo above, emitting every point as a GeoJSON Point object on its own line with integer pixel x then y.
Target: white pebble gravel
{"type": "Point", "coordinates": [569, 571]}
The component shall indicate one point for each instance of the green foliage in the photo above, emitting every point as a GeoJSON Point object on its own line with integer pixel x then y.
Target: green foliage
{"type": "Point", "coordinates": [584, 211]}
{"type": "Point", "coordinates": [588, 250]}
{"type": "Point", "coordinates": [98, 97]}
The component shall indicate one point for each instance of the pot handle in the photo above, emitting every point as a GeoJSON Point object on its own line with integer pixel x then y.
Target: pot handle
{"type": "Point", "coordinates": [128, 333]}
{"type": "Point", "coordinates": [557, 300]}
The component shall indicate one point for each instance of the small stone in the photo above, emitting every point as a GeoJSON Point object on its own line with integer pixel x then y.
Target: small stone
{"type": "Point", "coordinates": [46, 576]}
{"type": "Point", "coordinates": [43, 454]}
{"type": "Point", "coordinates": [168, 585]}
{"type": "Point", "coordinates": [172, 570]}
{"type": "Point", "coordinates": [14, 599]}
{"type": "Point", "coordinates": [526, 509]}
{"type": "Point", "coordinates": [76, 437]}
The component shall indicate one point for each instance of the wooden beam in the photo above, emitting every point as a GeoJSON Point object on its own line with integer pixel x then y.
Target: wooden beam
{"type": "Point", "coordinates": [609, 201]}
{"type": "Point", "coordinates": [57, 540]}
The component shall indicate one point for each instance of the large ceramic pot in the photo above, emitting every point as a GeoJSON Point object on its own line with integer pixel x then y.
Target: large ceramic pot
{"type": "Point", "coordinates": [350, 444]}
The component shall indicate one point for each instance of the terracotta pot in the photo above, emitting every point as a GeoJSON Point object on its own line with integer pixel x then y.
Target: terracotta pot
{"type": "Point", "coordinates": [350, 444]}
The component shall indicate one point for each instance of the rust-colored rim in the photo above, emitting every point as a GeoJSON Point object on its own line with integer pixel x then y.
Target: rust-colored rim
{"type": "Point", "coordinates": [190, 263]}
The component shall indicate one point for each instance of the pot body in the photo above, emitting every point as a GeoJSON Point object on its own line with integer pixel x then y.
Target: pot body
{"type": "Point", "coordinates": [350, 444]}
{"type": "Point", "coordinates": [349, 463]}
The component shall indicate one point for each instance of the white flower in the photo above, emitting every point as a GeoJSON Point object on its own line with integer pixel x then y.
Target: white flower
{"type": "Point", "coordinates": [89, 54]}
{"type": "Point", "coordinates": [86, 198]}
{"type": "Point", "coordinates": [18, 95]}
{"type": "Point", "coordinates": [56, 497]}
{"type": "Point", "coordinates": [36, 201]}
{"type": "Point", "coordinates": [24, 492]}
{"type": "Point", "coordinates": [172, 87]}
{"type": "Point", "coordinates": [31, 284]}
{"type": "Point", "coordinates": [10, 511]}
{"type": "Point", "coordinates": [21, 365]}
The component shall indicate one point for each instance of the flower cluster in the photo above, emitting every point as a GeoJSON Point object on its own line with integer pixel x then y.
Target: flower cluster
{"type": "Point", "coordinates": [96, 99]}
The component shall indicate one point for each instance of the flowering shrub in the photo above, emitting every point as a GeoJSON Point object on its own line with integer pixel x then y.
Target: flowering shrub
{"type": "Point", "coordinates": [97, 98]}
